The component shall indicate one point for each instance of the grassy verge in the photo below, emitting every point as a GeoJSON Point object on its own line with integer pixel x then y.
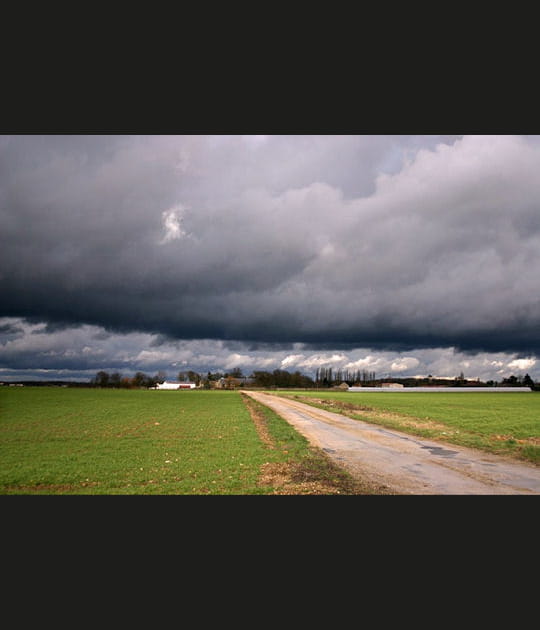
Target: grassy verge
{"type": "Point", "coordinates": [500, 423]}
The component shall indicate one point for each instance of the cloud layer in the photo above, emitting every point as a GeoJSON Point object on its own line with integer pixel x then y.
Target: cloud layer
{"type": "Point", "coordinates": [38, 351]}
{"type": "Point", "coordinates": [389, 243]}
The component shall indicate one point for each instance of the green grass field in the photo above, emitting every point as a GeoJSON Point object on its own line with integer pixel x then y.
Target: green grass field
{"type": "Point", "coordinates": [503, 423]}
{"type": "Point", "coordinates": [94, 441]}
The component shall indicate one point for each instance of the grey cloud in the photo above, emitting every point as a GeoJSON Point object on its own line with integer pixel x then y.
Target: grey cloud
{"type": "Point", "coordinates": [77, 353]}
{"type": "Point", "coordinates": [334, 241]}
{"type": "Point", "coordinates": [10, 329]}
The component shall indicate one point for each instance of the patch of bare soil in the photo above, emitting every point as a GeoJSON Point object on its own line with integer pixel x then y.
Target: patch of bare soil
{"type": "Point", "coordinates": [294, 478]}
{"type": "Point", "coordinates": [303, 478]}
{"type": "Point", "coordinates": [259, 422]}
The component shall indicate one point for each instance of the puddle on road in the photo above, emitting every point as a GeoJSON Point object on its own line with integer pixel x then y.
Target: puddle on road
{"type": "Point", "coordinates": [438, 450]}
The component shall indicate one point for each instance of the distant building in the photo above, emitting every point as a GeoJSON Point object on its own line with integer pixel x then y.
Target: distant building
{"type": "Point", "coordinates": [391, 385]}
{"type": "Point", "coordinates": [175, 385]}
{"type": "Point", "coordinates": [231, 382]}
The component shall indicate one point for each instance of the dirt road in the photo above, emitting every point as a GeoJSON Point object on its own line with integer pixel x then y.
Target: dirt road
{"type": "Point", "coordinates": [404, 463]}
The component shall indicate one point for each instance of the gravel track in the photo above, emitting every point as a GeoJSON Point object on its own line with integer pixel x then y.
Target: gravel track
{"type": "Point", "coordinates": [404, 463]}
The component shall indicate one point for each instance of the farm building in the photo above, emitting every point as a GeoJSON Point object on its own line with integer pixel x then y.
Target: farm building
{"type": "Point", "coordinates": [391, 385]}
{"type": "Point", "coordinates": [231, 382]}
{"type": "Point", "coordinates": [175, 385]}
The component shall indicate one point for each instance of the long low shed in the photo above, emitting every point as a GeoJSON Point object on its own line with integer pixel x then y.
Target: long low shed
{"type": "Point", "coordinates": [434, 390]}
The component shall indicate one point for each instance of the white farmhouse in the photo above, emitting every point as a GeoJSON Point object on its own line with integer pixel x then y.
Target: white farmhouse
{"type": "Point", "coordinates": [175, 385]}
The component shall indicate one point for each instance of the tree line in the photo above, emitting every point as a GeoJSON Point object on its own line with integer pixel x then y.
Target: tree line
{"type": "Point", "coordinates": [117, 381]}
{"type": "Point", "coordinates": [277, 378]}
{"type": "Point", "coordinates": [324, 378]}
{"type": "Point", "coordinates": [518, 381]}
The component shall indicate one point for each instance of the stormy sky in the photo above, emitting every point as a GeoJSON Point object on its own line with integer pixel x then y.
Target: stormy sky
{"type": "Point", "coordinates": [404, 255]}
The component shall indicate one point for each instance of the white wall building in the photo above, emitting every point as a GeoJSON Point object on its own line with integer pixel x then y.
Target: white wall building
{"type": "Point", "coordinates": [175, 385]}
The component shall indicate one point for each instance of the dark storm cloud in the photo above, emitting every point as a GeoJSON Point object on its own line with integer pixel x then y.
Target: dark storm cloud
{"type": "Point", "coordinates": [10, 329]}
{"type": "Point", "coordinates": [77, 353]}
{"type": "Point", "coordinates": [391, 242]}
